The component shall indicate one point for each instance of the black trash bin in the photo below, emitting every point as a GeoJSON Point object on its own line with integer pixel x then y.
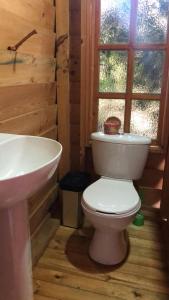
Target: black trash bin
{"type": "Point", "coordinates": [72, 185]}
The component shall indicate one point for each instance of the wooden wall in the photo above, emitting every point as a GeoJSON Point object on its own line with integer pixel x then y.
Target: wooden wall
{"type": "Point", "coordinates": [68, 19]}
{"type": "Point", "coordinates": [63, 82]}
{"type": "Point", "coordinates": [75, 84]}
{"type": "Point", "coordinates": [165, 197]}
{"type": "Point", "coordinates": [27, 81]}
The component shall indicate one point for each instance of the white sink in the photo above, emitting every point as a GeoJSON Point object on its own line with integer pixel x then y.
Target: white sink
{"type": "Point", "coordinates": [26, 164]}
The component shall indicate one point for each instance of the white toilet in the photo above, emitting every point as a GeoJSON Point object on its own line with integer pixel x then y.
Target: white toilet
{"type": "Point", "coordinates": [111, 203]}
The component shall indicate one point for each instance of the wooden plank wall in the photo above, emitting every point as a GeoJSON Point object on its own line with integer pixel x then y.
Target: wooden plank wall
{"type": "Point", "coordinates": [68, 19]}
{"type": "Point", "coordinates": [63, 82]}
{"type": "Point", "coordinates": [165, 205]}
{"type": "Point", "coordinates": [165, 194]}
{"type": "Point", "coordinates": [27, 80]}
{"type": "Point", "coordinates": [75, 85]}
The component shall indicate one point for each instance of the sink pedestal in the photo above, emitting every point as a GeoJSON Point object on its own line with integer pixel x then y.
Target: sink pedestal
{"type": "Point", "coordinates": [15, 254]}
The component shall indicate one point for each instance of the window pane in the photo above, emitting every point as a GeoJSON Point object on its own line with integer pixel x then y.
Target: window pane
{"type": "Point", "coordinates": [152, 21]}
{"type": "Point", "coordinates": [115, 19]}
{"type": "Point", "coordinates": [113, 71]}
{"type": "Point", "coordinates": [108, 108]}
{"type": "Point", "coordinates": [144, 117]}
{"type": "Point", "coordinates": [148, 71]}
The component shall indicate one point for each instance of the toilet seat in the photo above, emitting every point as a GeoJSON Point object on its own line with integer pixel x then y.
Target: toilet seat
{"type": "Point", "coordinates": [111, 196]}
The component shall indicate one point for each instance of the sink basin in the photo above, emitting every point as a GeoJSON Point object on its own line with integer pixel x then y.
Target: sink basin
{"type": "Point", "coordinates": [26, 164]}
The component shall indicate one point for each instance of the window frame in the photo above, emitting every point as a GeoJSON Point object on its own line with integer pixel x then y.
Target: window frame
{"type": "Point", "coordinates": [90, 104]}
{"type": "Point", "coordinates": [131, 47]}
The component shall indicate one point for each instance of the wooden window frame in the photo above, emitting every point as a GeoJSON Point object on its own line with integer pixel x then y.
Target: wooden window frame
{"type": "Point", "coordinates": [90, 103]}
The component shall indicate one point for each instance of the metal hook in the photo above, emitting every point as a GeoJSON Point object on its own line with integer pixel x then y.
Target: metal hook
{"type": "Point", "coordinates": [14, 48]}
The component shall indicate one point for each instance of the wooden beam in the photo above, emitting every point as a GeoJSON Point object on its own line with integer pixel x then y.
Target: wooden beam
{"type": "Point", "coordinates": [63, 86]}
{"type": "Point", "coordinates": [165, 192]}
{"type": "Point", "coordinates": [88, 47]}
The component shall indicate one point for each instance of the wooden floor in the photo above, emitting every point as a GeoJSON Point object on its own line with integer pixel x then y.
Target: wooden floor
{"type": "Point", "coordinates": [65, 272]}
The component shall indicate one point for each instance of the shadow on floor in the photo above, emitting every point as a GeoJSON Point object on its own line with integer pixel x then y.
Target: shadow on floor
{"type": "Point", "coordinates": [77, 253]}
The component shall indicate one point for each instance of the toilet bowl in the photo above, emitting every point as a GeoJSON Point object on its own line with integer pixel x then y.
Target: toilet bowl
{"type": "Point", "coordinates": [110, 205]}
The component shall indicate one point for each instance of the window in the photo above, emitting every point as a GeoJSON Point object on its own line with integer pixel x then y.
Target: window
{"type": "Point", "coordinates": [131, 62]}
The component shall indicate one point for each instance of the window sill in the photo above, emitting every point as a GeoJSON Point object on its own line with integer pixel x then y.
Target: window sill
{"type": "Point", "coordinates": [156, 149]}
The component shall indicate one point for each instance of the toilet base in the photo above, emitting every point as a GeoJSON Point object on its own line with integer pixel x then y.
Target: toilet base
{"type": "Point", "coordinates": [108, 248]}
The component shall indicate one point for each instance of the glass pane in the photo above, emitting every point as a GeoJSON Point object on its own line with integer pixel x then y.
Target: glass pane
{"type": "Point", "coordinates": [108, 108]}
{"type": "Point", "coordinates": [152, 21]}
{"type": "Point", "coordinates": [115, 19]}
{"type": "Point", "coordinates": [113, 71]}
{"type": "Point", "coordinates": [148, 71]}
{"type": "Point", "coordinates": [144, 117]}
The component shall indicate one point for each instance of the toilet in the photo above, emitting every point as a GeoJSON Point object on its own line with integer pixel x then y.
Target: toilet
{"type": "Point", "coordinates": [111, 203]}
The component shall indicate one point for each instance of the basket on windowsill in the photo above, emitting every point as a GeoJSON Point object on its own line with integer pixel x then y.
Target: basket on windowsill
{"type": "Point", "coordinates": [112, 125]}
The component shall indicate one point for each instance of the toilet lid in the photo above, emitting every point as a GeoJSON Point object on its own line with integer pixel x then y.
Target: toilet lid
{"type": "Point", "coordinates": [111, 196]}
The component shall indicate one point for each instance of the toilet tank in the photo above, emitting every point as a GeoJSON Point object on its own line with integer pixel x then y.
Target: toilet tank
{"type": "Point", "coordinates": [121, 156]}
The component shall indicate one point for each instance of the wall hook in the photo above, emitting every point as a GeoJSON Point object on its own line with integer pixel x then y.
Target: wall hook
{"type": "Point", "coordinates": [14, 48]}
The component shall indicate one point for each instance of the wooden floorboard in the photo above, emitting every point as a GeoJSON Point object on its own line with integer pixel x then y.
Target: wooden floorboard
{"type": "Point", "coordinates": [65, 271]}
